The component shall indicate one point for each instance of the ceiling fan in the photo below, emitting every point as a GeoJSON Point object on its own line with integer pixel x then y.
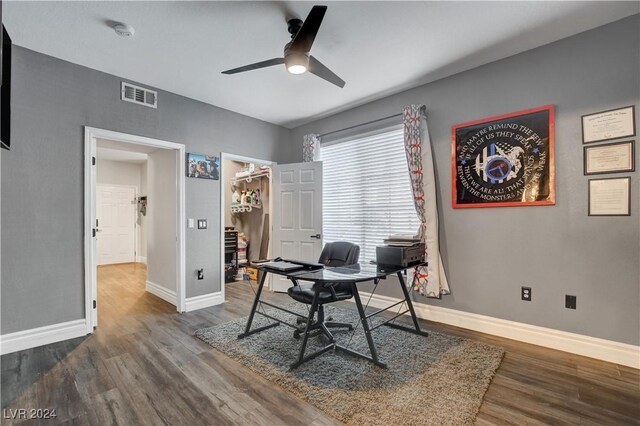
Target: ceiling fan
{"type": "Point", "coordinates": [296, 53]}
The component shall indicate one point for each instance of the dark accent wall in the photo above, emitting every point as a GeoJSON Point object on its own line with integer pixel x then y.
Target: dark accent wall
{"type": "Point", "coordinates": [42, 180]}
{"type": "Point", "coordinates": [490, 253]}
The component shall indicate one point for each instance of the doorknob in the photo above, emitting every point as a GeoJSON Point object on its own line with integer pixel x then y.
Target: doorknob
{"type": "Point", "coordinates": [318, 236]}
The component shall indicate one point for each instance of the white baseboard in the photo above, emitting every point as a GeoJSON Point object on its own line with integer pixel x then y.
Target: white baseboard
{"type": "Point", "coordinates": [204, 301]}
{"type": "Point", "coordinates": [26, 339]}
{"type": "Point", "coordinates": [141, 259]}
{"type": "Point", "coordinates": [593, 347]}
{"type": "Point", "coordinates": [161, 292]}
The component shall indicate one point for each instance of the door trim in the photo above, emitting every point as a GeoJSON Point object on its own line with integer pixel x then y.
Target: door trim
{"type": "Point", "coordinates": [135, 221]}
{"type": "Point", "coordinates": [234, 157]}
{"type": "Point", "coordinates": [90, 287]}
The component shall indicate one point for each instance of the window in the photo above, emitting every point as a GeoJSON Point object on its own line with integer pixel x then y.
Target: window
{"type": "Point", "coordinates": [366, 191]}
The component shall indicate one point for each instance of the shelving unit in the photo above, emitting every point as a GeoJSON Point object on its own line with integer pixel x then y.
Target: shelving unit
{"type": "Point", "coordinates": [244, 208]}
{"type": "Point", "coordinates": [241, 183]}
{"type": "Point", "coordinates": [230, 254]}
{"type": "Point", "coordinates": [250, 177]}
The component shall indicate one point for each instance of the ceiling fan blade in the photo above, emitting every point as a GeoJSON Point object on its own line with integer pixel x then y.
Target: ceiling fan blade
{"type": "Point", "coordinates": [316, 67]}
{"type": "Point", "coordinates": [257, 65]}
{"type": "Point", "coordinates": [307, 34]}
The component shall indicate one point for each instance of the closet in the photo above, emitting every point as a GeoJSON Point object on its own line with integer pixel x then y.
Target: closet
{"type": "Point", "coordinates": [246, 203]}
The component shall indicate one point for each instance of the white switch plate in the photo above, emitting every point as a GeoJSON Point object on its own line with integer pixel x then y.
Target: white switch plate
{"type": "Point", "coordinates": [191, 223]}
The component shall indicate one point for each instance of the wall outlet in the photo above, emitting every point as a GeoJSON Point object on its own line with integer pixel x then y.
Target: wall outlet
{"type": "Point", "coordinates": [201, 274]}
{"type": "Point", "coordinates": [525, 294]}
{"type": "Point", "coordinates": [569, 301]}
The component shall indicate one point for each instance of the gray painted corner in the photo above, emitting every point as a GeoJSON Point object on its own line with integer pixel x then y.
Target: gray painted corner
{"type": "Point", "coordinates": [42, 180]}
{"type": "Point", "coordinates": [556, 250]}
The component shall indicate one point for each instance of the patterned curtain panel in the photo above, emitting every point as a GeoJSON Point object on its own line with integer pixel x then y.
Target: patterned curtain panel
{"type": "Point", "coordinates": [431, 280]}
{"type": "Point", "coordinates": [311, 148]}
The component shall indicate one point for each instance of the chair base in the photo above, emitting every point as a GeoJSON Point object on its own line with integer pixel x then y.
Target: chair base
{"type": "Point", "coordinates": [320, 324]}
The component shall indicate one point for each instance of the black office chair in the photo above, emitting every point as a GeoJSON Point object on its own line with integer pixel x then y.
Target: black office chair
{"type": "Point", "coordinates": [333, 254]}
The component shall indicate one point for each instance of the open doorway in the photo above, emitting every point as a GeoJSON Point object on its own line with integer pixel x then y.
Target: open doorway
{"type": "Point", "coordinates": [246, 213]}
{"type": "Point", "coordinates": [134, 212]}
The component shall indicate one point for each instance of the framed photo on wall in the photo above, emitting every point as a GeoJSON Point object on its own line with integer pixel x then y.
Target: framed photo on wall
{"type": "Point", "coordinates": [203, 166]}
{"type": "Point", "coordinates": [607, 125]}
{"type": "Point", "coordinates": [504, 161]}
{"type": "Point", "coordinates": [616, 157]}
{"type": "Point", "coordinates": [610, 197]}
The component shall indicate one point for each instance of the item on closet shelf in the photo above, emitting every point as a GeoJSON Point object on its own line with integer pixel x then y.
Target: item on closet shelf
{"type": "Point", "coordinates": [251, 167]}
{"type": "Point", "coordinates": [243, 197]}
{"type": "Point", "coordinates": [256, 197]}
{"type": "Point", "coordinates": [242, 248]}
{"type": "Point", "coordinates": [235, 197]}
{"type": "Point", "coordinates": [252, 273]}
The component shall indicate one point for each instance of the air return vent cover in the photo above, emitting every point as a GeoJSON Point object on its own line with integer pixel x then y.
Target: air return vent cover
{"type": "Point", "coordinates": [139, 95]}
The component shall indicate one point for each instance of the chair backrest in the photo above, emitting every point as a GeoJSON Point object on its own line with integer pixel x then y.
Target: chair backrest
{"type": "Point", "coordinates": [340, 253]}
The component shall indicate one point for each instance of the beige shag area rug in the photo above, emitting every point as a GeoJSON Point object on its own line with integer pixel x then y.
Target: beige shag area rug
{"type": "Point", "coordinates": [435, 380]}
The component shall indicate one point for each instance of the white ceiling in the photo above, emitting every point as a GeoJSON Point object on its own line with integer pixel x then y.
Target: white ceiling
{"type": "Point", "coordinates": [378, 48]}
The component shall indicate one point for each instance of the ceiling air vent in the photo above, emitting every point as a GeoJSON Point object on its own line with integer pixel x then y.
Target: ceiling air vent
{"type": "Point", "coordinates": [139, 95]}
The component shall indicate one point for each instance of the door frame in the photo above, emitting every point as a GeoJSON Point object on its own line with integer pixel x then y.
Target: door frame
{"type": "Point", "coordinates": [234, 157]}
{"type": "Point", "coordinates": [135, 216]}
{"type": "Point", "coordinates": [90, 285]}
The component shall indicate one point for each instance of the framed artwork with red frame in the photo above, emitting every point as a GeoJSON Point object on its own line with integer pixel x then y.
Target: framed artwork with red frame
{"type": "Point", "coordinates": [504, 161]}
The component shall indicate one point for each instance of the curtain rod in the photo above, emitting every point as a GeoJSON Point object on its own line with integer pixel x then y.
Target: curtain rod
{"type": "Point", "coordinates": [360, 125]}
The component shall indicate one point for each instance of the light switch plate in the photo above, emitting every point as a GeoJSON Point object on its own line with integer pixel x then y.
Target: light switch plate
{"type": "Point", "coordinates": [202, 223]}
{"type": "Point", "coordinates": [191, 223]}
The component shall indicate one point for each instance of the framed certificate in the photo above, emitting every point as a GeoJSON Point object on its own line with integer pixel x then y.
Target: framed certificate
{"type": "Point", "coordinates": [606, 125]}
{"type": "Point", "coordinates": [613, 157]}
{"type": "Point", "coordinates": [610, 197]}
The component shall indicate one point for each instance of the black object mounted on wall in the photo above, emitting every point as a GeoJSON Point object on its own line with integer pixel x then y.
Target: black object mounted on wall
{"type": "Point", "coordinates": [5, 91]}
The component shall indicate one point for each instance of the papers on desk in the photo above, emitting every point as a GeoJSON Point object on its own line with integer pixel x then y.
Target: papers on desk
{"type": "Point", "coordinates": [400, 240]}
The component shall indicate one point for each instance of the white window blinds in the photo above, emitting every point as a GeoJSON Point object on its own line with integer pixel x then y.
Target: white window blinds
{"type": "Point", "coordinates": [366, 191]}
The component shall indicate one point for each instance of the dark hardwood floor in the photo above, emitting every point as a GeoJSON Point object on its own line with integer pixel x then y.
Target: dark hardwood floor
{"type": "Point", "coordinates": [143, 366]}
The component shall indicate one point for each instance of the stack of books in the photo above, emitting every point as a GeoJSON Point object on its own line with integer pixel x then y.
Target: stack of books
{"type": "Point", "coordinates": [400, 240]}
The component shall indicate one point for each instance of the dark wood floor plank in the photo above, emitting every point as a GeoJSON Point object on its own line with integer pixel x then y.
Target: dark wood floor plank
{"type": "Point", "coordinates": [144, 366]}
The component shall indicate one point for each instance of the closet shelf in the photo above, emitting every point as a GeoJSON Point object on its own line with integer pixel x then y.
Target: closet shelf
{"type": "Point", "coordinates": [244, 208]}
{"type": "Point", "coordinates": [248, 178]}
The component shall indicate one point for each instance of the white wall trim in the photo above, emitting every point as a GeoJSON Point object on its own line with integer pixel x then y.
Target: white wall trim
{"type": "Point", "coordinates": [27, 339]}
{"type": "Point", "coordinates": [141, 259]}
{"type": "Point", "coordinates": [593, 347]}
{"type": "Point", "coordinates": [91, 291]}
{"type": "Point", "coordinates": [162, 292]}
{"type": "Point", "coordinates": [204, 301]}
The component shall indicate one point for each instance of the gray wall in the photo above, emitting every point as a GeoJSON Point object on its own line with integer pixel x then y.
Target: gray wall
{"type": "Point", "coordinates": [162, 214]}
{"type": "Point", "coordinates": [42, 180]}
{"type": "Point", "coordinates": [556, 250]}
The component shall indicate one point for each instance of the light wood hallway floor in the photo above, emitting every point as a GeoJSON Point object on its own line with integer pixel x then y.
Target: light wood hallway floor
{"type": "Point", "coordinates": [143, 366]}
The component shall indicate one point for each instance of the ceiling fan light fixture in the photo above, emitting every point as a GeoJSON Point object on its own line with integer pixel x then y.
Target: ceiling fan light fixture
{"type": "Point", "coordinates": [296, 63]}
{"type": "Point", "coordinates": [297, 69]}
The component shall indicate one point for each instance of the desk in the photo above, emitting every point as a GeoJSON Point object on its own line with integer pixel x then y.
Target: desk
{"type": "Point", "coordinates": [353, 275]}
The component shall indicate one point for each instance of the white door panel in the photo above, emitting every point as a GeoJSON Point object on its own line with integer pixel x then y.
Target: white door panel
{"type": "Point", "coordinates": [115, 240]}
{"type": "Point", "coordinates": [297, 214]}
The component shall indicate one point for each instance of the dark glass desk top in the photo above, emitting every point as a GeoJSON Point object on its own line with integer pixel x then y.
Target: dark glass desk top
{"type": "Point", "coordinates": [347, 274]}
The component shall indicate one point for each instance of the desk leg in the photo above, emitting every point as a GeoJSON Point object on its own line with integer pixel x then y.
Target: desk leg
{"type": "Point", "coordinates": [407, 299]}
{"type": "Point", "coordinates": [256, 301]}
{"type": "Point", "coordinates": [367, 331]}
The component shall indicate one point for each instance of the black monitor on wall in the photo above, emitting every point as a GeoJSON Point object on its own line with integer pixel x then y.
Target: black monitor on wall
{"type": "Point", "coordinates": [5, 91]}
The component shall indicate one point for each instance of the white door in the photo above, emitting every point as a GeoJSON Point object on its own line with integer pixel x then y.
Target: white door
{"type": "Point", "coordinates": [297, 214]}
{"type": "Point", "coordinates": [116, 214]}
